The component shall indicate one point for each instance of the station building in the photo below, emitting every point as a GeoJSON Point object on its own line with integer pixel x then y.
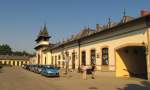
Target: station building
{"type": "Point", "coordinates": [13, 60]}
{"type": "Point", "coordinates": [123, 48]}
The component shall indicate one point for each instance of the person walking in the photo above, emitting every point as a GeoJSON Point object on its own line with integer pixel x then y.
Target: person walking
{"type": "Point", "coordinates": [93, 71]}
{"type": "Point", "coordinates": [84, 69]}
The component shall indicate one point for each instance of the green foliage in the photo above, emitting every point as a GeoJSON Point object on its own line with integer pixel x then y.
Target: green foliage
{"type": "Point", "coordinates": [5, 49]}
{"type": "Point", "coordinates": [21, 53]}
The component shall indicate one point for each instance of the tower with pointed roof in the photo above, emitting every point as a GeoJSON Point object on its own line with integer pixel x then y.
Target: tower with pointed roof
{"type": "Point", "coordinates": [42, 42]}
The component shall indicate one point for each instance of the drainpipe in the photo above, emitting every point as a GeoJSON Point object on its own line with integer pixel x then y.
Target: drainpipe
{"type": "Point", "coordinates": [79, 66]}
{"type": "Point", "coordinates": [63, 55]}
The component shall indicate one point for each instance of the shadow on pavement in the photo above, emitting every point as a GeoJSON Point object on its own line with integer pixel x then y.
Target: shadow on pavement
{"type": "Point", "coordinates": [145, 85]}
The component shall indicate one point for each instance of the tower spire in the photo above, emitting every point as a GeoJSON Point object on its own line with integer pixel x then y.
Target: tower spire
{"type": "Point", "coordinates": [45, 32]}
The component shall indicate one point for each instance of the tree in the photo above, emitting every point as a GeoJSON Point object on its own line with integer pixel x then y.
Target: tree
{"type": "Point", "coordinates": [5, 49]}
{"type": "Point", "coordinates": [21, 53]}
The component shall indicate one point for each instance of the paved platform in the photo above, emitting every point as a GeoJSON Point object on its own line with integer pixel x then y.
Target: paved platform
{"type": "Point", "coordinates": [16, 78]}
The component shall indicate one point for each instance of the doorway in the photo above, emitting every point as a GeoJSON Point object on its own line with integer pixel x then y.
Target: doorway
{"type": "Point", "coordinates": [131, 62]}
{"type": "Point", "coordinates": [73, 60]}
{"type": "Point", "coordinates": [83, 58]}
{"type": "Point", "coordinates": [93, 57]}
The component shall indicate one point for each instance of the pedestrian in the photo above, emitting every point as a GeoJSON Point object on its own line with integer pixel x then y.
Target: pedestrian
{"type": "Point", "coordinates": [93, 71]}
{"type": "Point", "coordinates": [84, 72]}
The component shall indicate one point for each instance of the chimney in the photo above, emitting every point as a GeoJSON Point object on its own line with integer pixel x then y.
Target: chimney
{"type": "Point", "coordinates": [144, 13]}
{"type": "Point", "coordinates": [97, 27]}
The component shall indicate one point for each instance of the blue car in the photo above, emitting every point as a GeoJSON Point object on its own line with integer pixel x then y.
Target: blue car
{"type": "Point", "coordinates": [49, 71]}
{"type": "Point", "coordinates": [39, 69]}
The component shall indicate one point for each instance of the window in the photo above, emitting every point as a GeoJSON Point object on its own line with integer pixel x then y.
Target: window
{"type": "Point", "coordinates": [55, 60]}
{"type": "Point", "coordinates": [52, 60]}
{"type": "Point", "coordinates": [105, 56]}
{"type": "Point", "coordinates": [5, 62]}
{"type": "Point", "coordinates": [45, 60]}
{"type": "Point", "coordinates": [63, 64]}
{"type": "Point", "coordinates": [59, 63]}
{"type": "Point", "coordinates": [93, 57]}
{"type": "Point", "coordinates": [59, 57]}
{"type": "Point", "coordinates": [83, 58]}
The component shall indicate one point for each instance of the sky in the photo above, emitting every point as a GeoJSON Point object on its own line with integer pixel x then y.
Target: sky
{"type": "Point", "coordinates": [21, 20]}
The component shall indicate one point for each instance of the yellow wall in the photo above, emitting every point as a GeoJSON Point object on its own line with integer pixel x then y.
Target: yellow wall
{"type": "Point", "coordinates": [70, 50]}
{"type": "Point", "coordinates": [14, 64]}
{"type": "Point", "coordinates": [121, 69]}
{"type": "Point", "coordinates": [126, 35]}
{"type": "Point", "coordinates": [117, 39]}
{"type": "Point", "coordinates": [129, 34]}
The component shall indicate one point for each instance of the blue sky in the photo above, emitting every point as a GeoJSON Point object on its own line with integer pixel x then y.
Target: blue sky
{"type": "Point", "coordinates": [21, 20]}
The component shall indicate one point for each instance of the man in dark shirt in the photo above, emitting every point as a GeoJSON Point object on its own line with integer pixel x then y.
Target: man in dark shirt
{"type": "Point", "coordinates": [93, 71]}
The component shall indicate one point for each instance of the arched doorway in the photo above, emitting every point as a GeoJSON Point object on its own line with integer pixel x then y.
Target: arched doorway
{"type": "Point", "coordinates": [9, 62]}
{"type": "Point", "coordinates": [14, 63]}
{"type": "Point", "coordinates": [18, 63]}
{"type": "Point", "coordinates": [21, 63]}
{"type": "Point", "coordinates": [131, 62]}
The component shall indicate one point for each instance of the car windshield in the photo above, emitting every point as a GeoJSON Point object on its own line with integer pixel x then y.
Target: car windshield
{"type": "Point", "coordinates": [50, 67]}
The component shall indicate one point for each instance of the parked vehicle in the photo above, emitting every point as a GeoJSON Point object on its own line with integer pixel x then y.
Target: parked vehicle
{"type": "Point", "coordinates": [50, 70]}
{"type": "Point", "coordinates": [39, 68]}
{"type": "Point", "coordinates": [24, 66]}
{"type": "Point", "coordinates": [33, 68]}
